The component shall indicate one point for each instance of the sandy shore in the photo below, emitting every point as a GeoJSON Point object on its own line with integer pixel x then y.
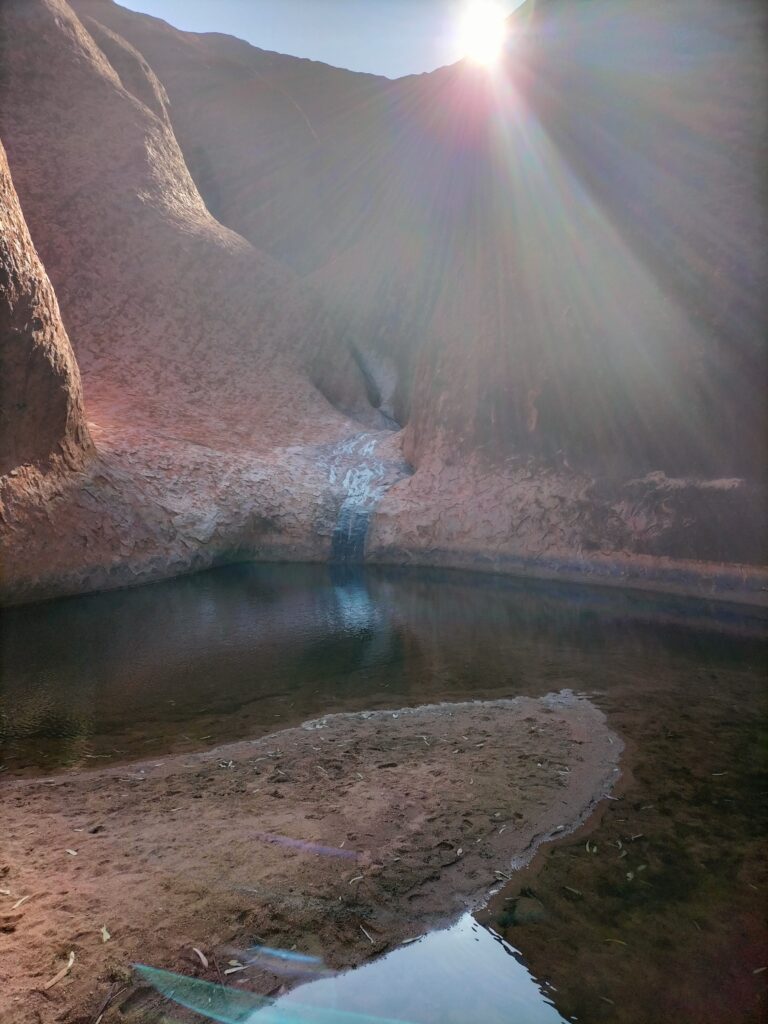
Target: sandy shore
{"type": "Point", "coordinates": [340, 838]}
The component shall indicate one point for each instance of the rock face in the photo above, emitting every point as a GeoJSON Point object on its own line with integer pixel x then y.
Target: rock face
{"type": "Point", "coordinates": [553, 279]}
{"type": "Point", "coordinates": [578, 232]}
{"type": "Point", "coordinates": [41, 416]}
{"type": "Point", "coordinates": [195, 348]}
{"type": "Point", "coordinates": [168, 310]}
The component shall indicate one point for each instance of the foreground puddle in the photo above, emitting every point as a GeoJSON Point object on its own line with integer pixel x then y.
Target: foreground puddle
{"type": "Point", "coordinates": [464, 973]}
{"type": "Point", "coordinates": [457, 975]}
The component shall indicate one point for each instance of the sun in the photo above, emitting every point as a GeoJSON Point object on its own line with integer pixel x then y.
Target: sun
{"type": "Point", "coordinates": [482, 32]}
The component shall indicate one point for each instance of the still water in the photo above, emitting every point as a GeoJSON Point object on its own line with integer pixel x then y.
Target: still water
{"type": "Point", "coordinates": [465, 973]}
{"type": "Point", "coordinates": [660, 918]}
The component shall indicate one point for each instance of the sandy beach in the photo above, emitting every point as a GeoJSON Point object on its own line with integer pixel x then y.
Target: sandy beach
{"type": "Point", "coordinates": [340, 838]}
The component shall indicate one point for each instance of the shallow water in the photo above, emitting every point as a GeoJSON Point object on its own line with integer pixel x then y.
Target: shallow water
{"type": "Point", "coordinates": [454, 976]}
{"type": "Point", "coordinates": [663, 922]}
{"type": "Point", "coordinates": [243, 650]}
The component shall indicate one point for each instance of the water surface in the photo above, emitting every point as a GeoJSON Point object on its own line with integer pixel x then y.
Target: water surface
{"type": "Point", "coordinates": [460, 974]}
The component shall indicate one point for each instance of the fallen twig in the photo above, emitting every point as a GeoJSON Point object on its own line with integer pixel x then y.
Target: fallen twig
{"type": "Point", "coordinates": [218, 970]}
{"type": "Point", "coordinates": [62, 973]}
{"type": "Point", "coordinates": [110, 997]}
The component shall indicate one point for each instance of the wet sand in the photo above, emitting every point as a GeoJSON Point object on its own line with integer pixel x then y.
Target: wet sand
{"type": "Point", "coordinates": [656, 909]}
{"type": "Point", "coordinates": [341, 838]}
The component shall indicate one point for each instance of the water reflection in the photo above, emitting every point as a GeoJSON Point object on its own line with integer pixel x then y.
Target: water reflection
{"type": "Point", "coordinates": [240, 651]}
{"type": "Point", "coordinates": [462, 974]}
{"type": "Point", "coordinates": [465, 974]}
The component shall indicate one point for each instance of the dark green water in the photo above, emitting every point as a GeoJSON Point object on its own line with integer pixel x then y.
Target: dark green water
{"type": "Point", "coordinates": [667, 925]}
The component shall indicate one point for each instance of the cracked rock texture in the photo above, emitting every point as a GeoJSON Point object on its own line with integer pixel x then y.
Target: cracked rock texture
{"type": "Point", "coordinates": [546, 294]}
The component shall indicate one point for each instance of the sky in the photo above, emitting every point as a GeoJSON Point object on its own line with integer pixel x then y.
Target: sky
{"type": "Point", "coordinates": [386, 37]}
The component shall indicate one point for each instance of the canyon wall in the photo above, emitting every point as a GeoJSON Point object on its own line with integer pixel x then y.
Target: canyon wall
{"type": "Point", "coordinates": [543, 288]}
{"type": "Point", "coordinates": [584, 229]}
{"type": "Point", "coordinates": [41, 416]}
{"type": "Point", "coordinates": [211, 439]}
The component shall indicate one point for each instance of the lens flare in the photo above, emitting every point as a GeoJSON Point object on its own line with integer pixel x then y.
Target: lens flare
{"type": "Point", "coordinates": [483, 32]}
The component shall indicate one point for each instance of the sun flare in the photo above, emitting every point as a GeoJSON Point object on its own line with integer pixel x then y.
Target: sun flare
{"type": "Point", "coordinates": [482, 32]}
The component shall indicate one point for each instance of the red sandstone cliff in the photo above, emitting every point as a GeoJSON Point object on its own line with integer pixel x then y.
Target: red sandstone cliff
{"type": "Point", "coordinates": [567, 257]}
{"type": "Point", "coordinates": [42, 425]}
{"type": "Point", "coordinates": [552, 280]}
{"type": "Point", "coordinates": [193, 346]}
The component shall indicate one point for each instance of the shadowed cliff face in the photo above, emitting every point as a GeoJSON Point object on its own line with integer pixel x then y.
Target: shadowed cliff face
{"type": "Point", "coordinates": [605, 296]}
{"type": "Point", "coordinates": [552, 278]}
{"type": "Point", "coordinates": [41, 410]}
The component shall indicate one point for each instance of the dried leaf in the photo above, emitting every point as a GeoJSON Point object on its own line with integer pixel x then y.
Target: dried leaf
{"type": "Point", "coordinates": [105, 936]}
{"type": "Point", "coordinates": [62, 973]}
{"type": "Point", "coordinates": [201, 954]}
{"type": "Point", "coordinates": [72, 853]}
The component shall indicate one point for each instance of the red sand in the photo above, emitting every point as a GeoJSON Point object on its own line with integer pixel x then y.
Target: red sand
{"type": "Point", "coordinates": [421, 807]}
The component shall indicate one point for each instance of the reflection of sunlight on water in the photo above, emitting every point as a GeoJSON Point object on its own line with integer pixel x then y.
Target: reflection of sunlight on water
{"type": "Point", "coordinates": [462, 974]}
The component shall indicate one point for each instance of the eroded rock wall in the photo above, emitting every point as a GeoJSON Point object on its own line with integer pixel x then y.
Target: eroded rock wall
{"type": "Point", "coordinates": [566, 258]}
{"type": "Point", "coordinates": [41, 404]}
{"type": "Point", "coordinates": [552, 278]}
{"type": "Point", "coordinates": [168, 309]}
{"type": "Point", "coordinates": [554, 273]}
{"type": "Point", "coordinates": [212, 440]}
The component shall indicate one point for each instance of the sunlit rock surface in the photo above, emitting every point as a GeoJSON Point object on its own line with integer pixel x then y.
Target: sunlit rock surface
{"type": "Point", "coordinates": [194, 348]}
{"type": "Point", "coordinates": [41, 417]}
{"type": "Point", "coordinates": [551, 279]}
